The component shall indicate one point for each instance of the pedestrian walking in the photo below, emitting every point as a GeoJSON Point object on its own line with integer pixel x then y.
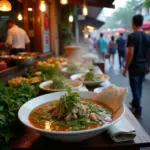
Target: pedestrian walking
{"type": "Point", "coordinates": [112, 46]}
{"type": "Point", "coordinates": [102, 46]}
{"type": "Point", "coordinates": [90, 44]}
{"type": "Point", "coordinates": [121, 42]}
{"type": "Point", "coordinates": [137, 61]}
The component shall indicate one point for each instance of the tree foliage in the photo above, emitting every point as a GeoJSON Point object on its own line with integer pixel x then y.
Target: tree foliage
{"type": "Point", "coordinates": [122, 17]}
{"type": "Point", "coordinates": [147, 3]}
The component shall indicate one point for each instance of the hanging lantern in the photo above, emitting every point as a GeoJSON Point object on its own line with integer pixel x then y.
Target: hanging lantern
{"type": "Point", "coordinates": [19, 17]}
{"type": "Point", "coordinates": [64, 2]}
{"type": "Point", "coordinates": [85, 10]}
{"type": "Point", "coordinates": [71, 18]}
{"type": "Point", "coordinates": [5, 5]}
{"type": "Point", "coordinates": [43, 6]}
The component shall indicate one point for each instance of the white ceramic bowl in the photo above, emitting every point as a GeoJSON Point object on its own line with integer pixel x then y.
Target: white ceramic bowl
{"type": "Point", "coordinates": [69, 136]}
{"type": "Point", "coordinates": [98, 90]}
{"type": "Point", "coordinates": [88, 83]}
{"type": "Point", "coordinates": [77, 84]}
{"type": "Point", "coordinates": [66, 72]}
{"type": "Point", "coordinates": [64, 63]}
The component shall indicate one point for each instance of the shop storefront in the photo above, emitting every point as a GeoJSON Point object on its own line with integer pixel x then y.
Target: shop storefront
{"type": "Point", "coordinates": [40, 23]}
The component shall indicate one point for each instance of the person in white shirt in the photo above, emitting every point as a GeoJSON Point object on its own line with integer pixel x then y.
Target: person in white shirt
{"type": "Point", "coordinates": [90, 44]}
{"type": "Point", "coordinates": [17, 38]}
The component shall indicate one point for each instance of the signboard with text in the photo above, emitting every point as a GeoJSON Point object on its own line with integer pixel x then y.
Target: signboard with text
{"type": "Point", "coordinates": [46, 31]}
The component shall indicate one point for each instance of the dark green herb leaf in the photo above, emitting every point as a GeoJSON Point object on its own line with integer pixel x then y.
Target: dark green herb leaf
{"type": "Point", "coordinates": [41, 118]}
{"type": "Point", "coordinates": [1, 108]}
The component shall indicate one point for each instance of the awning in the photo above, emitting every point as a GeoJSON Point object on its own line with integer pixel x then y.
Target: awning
{"type": "Point", "coordinates": [89, 21]}
{"type": "Point", "coordinates": [95, 3]}
{"type": "Point", "coordinates": [146, 25]}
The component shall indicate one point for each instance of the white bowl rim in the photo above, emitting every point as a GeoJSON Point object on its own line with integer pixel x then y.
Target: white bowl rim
{"type": "Point", "coordinates": [73, 72]}
{"type": "Point", "coordinates": [68, 132]}
{"type": "Point", "coordinates": [87, 82]}
{"type": "Point", "coordinates": [56, 90]}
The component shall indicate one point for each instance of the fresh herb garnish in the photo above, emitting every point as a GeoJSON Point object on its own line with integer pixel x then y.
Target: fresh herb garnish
{"type": "Point", "coordinates": [73, 67]}
{"type": "Point", "coordinates": [67, 102]}
{"type": "Point", "coordinates": [59, 83]}
{"type": "Point", "coordinates": [75, 124]}
{"type": "Point", "coordinates": [90, 76]}
{"type": "Point", "coordinates": [40, 118]}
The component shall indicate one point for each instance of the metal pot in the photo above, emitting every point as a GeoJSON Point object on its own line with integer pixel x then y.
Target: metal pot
{"type": "Point", "coordinates": [28, 54]}
{"type": "Point", "coordinates": [24, 61]}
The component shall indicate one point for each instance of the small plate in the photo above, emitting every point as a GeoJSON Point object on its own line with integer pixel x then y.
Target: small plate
{"type": "Point", "coordinates": [88, 83]}
{"type": "Point", "coordinates": [77, 84]}
{"type": "Point", "coordinates": [64, 63]}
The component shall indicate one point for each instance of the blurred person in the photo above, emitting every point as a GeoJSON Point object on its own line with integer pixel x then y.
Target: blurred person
{"type": "Point", "coordinates": [121, 42]}
{"type": "Point", "coordinates": [137, 61]}
{"type": "Point", "coordinates": [112, 46]}
{"type": "Point", "coordinates": [95, 42]}
{"type": "Point", "coordinates": [17, 38]}
{"type": "Point", "coordinates": [102, 46]}
{"type": "Point", "coordinates": [90, 43]}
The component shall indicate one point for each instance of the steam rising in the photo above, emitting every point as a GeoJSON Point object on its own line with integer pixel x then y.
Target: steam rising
{"type": "Point", "coordinates": [84, 58]}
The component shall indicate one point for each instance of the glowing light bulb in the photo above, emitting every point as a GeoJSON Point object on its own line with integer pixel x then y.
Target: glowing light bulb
{"type": "Point", "coordinates": [85, 10]}
{"type": "Point", "coordinates": [71, 18]}
{"type": "Point", "coordinates": [20, 17]}
{"type": "Point", "coordinates": [64, 2]}
{"type": "Point", "coordinates": [43, 6]}
{"type": "Point", "coordinates": [4, 6]}
{"type": "Point", "coordinates": [30, 9]}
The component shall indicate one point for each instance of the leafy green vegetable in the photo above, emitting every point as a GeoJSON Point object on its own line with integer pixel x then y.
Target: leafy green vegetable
{"type": "Point", "coordinates": [67, 102]}
{"type": "Point", "coordinates": [48, 72]}
{"type": "Point", "coordinates": [73, 67]}
{"type": "Point", "coordinates": [90, 76]}
{"type": "Point", "coordinates": [40, 118]}
{"type": "Point", "coordinates": [11, 100]}
{"type": "Point", "coordinates": [75, 124]}
{"type": "Point", "coordinates": [59, 83]}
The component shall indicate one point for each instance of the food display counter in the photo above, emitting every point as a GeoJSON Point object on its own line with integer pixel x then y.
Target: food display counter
{"type": "Point", "coordinates": [14, 71]}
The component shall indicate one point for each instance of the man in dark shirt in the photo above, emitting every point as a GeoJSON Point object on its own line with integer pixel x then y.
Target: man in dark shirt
{"type": "Point", "coordinates": [137, 62]}
{"type": "Point", "coordinates": [121, 42]}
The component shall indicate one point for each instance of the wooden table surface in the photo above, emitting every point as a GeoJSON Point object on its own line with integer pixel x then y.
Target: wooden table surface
{"type": "Point", "coordinates": [32, 139]}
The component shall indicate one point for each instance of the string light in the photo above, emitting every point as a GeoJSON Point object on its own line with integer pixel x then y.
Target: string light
{"type": "Point", "coordinates": [85, 10]}
{"type": "Point", "coordinates": [43, 6]}
{"type": "Point", "coordinates": [64, 2]}
{"type": "Point", "coordinates": [20, 17]}
{"type": "Point", "coordinates": [71, 18]}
